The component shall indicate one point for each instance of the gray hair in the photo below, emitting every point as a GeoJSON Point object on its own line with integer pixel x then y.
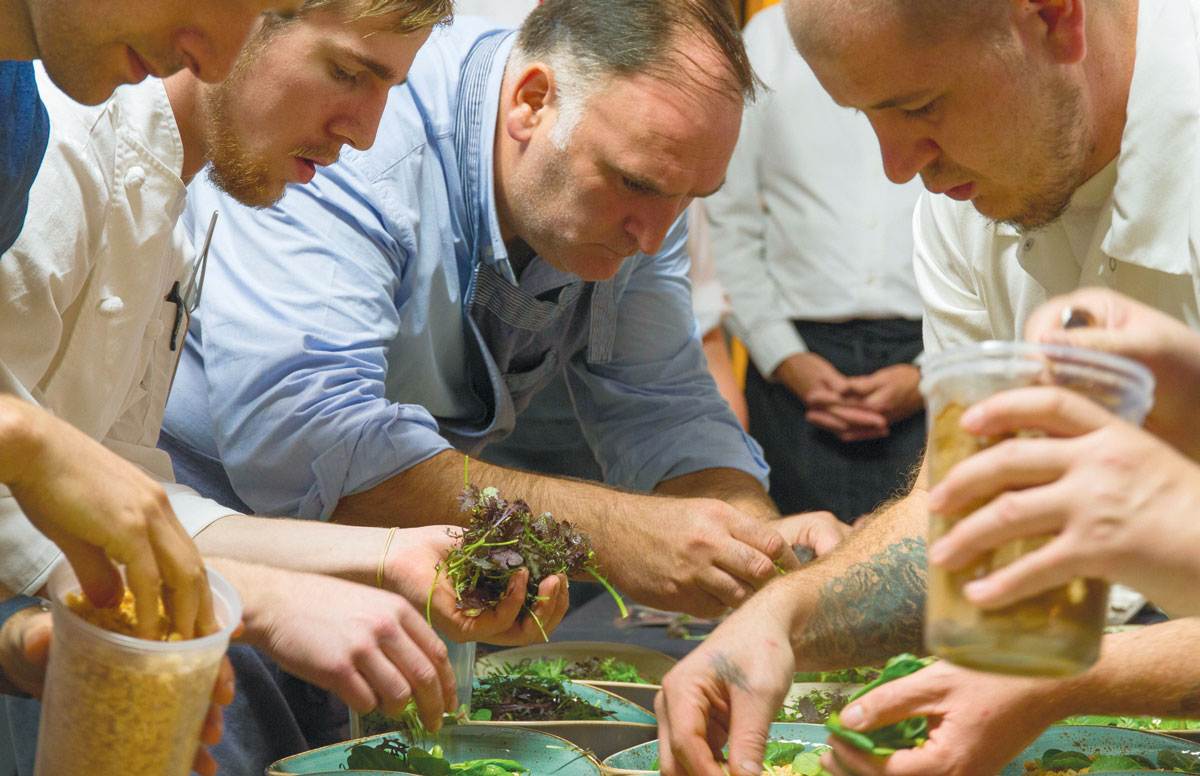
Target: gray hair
{"type": "Point", "coordinates": [587, 42]}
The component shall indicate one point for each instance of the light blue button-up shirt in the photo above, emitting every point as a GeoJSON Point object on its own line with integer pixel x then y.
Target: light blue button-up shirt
{"type": "Point", "coordinates": [371, 320]}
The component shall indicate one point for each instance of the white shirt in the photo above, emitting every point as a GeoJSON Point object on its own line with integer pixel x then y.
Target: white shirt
{"type": "Point", "coordinates": [84, 326]}
{"type": "Point", "coordinates": [1133, 227]}
{"type": "Point", "coordinates": [709, 300]}
{"type": "Point", "coordinates": [807, 226]}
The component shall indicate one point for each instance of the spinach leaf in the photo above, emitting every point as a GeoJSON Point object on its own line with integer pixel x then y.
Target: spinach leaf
{"type": "Point", "coordinates": [807, 764]}
{"type": "Point", "coordinates": [1118, 762]}
{"type": "Point", "coordinates": [780, 752]}
{"type": "Point", "coordinates": [885, 740]}
{"type": "Point", "coordinates": [1058, 760]}
{"type": "Point", "coordinates": [1170, 760]}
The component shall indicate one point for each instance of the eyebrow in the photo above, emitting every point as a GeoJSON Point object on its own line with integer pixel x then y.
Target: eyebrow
{"type": "Point", "coordinates": [381, 71]}
{"type": "Point", "coordinates": [655, 190]}
{"type": "Point", "coordinates": [904, 99]}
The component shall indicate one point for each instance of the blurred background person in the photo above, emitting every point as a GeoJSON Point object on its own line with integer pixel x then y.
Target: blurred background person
{"type": "Point", "coordinates": [814, 246]}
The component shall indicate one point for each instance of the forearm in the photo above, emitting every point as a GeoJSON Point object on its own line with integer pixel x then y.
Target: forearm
{"type": "Point", "coordinates": [732, 486]}
{"type": "Point", "coordinates": [19, 438]}
{"type": "Point", "coordinates": [349, 552]}
{"type": "Point", "coordinates": [863, 602]}
{"type": "Point", "coordinates": [1153, 671]}
{"type": "Point", "coordinates": [427, 494]}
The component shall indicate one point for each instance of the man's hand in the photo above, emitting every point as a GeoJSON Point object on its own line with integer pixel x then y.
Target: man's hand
{"type": "Point", "coordinates": [893, 391]}
{"type": "Point", "coordinates": [695, 555]}
{"type": "Point", "coordinates": [1119, 503]}
{"type": "Point", "coordinates": [977, 723]}
{"type": "Point", "coordinates": [99, 508]}
{"type": "Point", "coordinates": [369, 646]}
{"type": "Point", "coordinates": [830, 404]}
{"type": "Point", "coordinates": [25, 652]}
{"type": "Point", "coordinates": [726, 692]}
{"type": "Point", "coordinates": [1128, 328]}
{"type": "Point", "coordinates": [410, 571]}
{"type": "Point", "coordinates": [819, 530]}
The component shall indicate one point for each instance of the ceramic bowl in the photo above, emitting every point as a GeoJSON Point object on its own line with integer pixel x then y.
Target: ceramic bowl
{"type": "Point", "coordinates": [542, 753]}
{"type": "Point", "coordinates": [649, 663]}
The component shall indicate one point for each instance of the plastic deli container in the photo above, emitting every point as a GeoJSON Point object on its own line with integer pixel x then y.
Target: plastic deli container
{"type": "Point", "coordinates": [1056, 633]}
{"type": "Point", "coordinates": [116, 705]}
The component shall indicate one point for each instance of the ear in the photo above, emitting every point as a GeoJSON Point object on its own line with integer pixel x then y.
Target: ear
{"type": "Point", "coordinates": [1057, 25]}
{"type": "Point", "coordinates": [530, 101]}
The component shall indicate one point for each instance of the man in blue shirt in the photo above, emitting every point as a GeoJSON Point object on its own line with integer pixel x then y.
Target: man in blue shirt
{"type": "Point", "coordinates": [519, 217]}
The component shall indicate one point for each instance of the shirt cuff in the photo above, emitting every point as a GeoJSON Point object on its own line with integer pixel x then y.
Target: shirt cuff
{"type": "Point", "coordinates": [193, 510]}
{"type": "Point", "coordinates": [770, 345]}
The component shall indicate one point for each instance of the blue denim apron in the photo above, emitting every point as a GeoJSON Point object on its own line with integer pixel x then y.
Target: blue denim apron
{"type": "Point", "coordinates": [518, 335]}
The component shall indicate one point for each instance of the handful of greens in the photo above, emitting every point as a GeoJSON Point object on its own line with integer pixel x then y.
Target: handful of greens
{"type": "Point", "coordinates": [605, 669]}
{"type": "Point", "coordinates": [529, 699]}
{"type": "Point", "coordinates": [503, 536]}
{"type": "Point", "coordinates": [395, 755]}
{"type": "Point", "coordinates": [905, 734]}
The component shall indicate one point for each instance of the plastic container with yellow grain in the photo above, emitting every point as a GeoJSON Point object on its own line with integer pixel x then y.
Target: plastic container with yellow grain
{"type": "Point", "coordinates": [116, 704]}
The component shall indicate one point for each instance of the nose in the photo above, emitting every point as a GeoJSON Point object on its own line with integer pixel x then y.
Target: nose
{"type": "Point", "coordinates": [209, 50]}
{"type": "Point", "coordinates": [905, 150]}
{"type": "Point", "coordinates": [651, 222]}
{"type": "Point", "coordinates": [358, 120]}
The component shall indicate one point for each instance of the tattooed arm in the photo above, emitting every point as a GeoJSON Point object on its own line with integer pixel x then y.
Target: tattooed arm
{"type": "Point", "coordinates": [860, 604]}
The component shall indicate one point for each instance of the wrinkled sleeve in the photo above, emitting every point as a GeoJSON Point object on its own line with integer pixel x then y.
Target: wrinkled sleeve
{"type": "Point", "coordinates": [651, 411]}
{"type": "Point", "coordinates": [954, 311]}
{"type": "Point", "coordinates": [296, 322]}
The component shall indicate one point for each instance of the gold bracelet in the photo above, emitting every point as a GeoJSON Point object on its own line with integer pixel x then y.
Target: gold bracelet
{"type": "Point", "coordinates": [383, 557]}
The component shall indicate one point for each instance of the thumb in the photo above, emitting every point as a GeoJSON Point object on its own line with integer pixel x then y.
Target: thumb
{"type": "Point", "coordinates": [892, 702]}
{"type": "Point", "coordinates": [1105, 340]}
{"type": "Point", "coordinates": [35, 642]}
{"type": "Point", "coordinates": [99, 578]}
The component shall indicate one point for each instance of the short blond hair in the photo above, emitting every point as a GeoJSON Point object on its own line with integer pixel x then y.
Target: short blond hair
{"type": "Point", "coordinates": [410, 15]}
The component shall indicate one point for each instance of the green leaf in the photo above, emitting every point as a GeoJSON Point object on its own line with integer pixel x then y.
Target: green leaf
{"type": "Point", "coordinates": [482, 715]}
{"type": "Point", "coordinates": [1057, 760]}
{"type": "Point", "coordinates": [807, 764]}
{"type": "Point", "coordinates": [1116, 762]}
{"type": "Point", "coordinates": [369, 758]}
{"type": "Point", "coordinates": [1171, 760]}
{"type": "Point", "coordinates": [425, 764]}
{"type": "Point", "coordinates": [861, 740]}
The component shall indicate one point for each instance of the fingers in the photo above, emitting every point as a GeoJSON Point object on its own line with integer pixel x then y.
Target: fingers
{"type": "Point", "coordinates": [748, 726]}
{"type": "Point", "coordinates": [183, 574]}
{"type": "Point", "coordinates": [203, 763]}
{"type": "Point", "coordinates": [556, 600]}
{"type": "Point", "coordinates": [419, 660]}
{"type": "Point", "coordinates": [1020, 514]}
{"type": "Point", "coordinates": [214, 726]}
{"type": "Point", "coordinates": [1056, 411]}
{"type": "Point", "coordinates": [223, 687]}
{"type": "Point", "coordinates": [99, 578]}
{"type": "Point", "coordinates": [141, 574]}
{"type": "Point", "coordinates": [845, 759]}
{"type": "Point", "coordinates": [1046, 568]}
{"type": "Point", "coordinates": [687, 744]}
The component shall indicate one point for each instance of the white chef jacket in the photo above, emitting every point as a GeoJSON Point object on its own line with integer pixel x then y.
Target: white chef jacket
{"type": "Point", "coordinates": [84, 325]}
{"type": "Point", "coordinates": [710, 303]}
{"type": "Point", "coordinates": [1133, 227]}
{"type": "Point", "coordinates": [807, 225]}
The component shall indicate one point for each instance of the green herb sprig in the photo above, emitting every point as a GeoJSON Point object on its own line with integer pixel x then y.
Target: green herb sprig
{"type": "Point", "coordinates": [500, 538]}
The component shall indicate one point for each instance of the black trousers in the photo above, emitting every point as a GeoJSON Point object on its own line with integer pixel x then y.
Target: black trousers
{"type": "Point", "coordinates": [810, 467]}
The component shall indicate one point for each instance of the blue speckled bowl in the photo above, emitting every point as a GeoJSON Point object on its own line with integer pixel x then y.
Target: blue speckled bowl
{"type": "Point", "coordinates": [542, 753]}
{"type": "Point", "coordinates": [1091, 739]}
{"type": "Point", "coordinates": [1082, 738]}
{"type": "Point", "coordinates": [641, 758]}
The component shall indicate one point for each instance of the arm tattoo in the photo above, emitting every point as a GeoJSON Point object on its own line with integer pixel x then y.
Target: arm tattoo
{"type": "Point", "coordinates": [873, 611]}
{"type": "Point", "coordinates": [729, 672]}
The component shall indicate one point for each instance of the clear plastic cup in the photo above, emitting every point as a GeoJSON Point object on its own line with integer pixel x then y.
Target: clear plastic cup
{"type": "Point", "coordinates": [1056, 633]}
{"type": "Point", "coordinates": [116, 705]}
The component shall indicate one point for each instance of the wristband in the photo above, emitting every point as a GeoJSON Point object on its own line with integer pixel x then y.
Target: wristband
{"type": "Point", "coordinates": [387, 543]}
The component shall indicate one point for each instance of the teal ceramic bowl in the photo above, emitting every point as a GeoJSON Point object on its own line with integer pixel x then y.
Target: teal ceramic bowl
{"type": "Point", "coordinates": [642, 758]}
{"type": "Point", "coordinates": [1081, 738]}
{"type": "Point", "coordinates": [1093, 740]}
{"type": "Point", "coordinates": [542, 753]}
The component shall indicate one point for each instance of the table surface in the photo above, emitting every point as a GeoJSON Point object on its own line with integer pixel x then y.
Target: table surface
{"type": "Point", "coordinates": [594, 621]}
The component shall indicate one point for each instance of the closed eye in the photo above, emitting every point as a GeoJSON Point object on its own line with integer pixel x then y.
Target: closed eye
{"type": "Point", "coordinates": [637, 187]}
{"type": "Point", "coordinates": [919, 113]}
{"type": "Point", "coordinates": [343, 76]}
